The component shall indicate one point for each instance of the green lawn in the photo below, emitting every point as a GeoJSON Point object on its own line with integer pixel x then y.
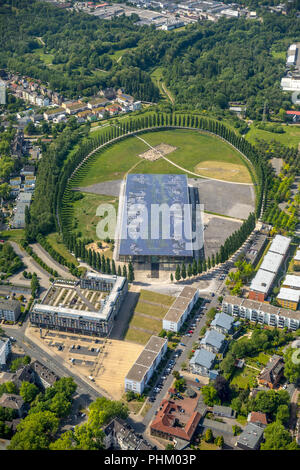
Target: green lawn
{"type": "Point", "coordinates": [117, 54]}
{"type": "Point", "coordinates": [258, 361]}
{"type": "Point", "coordinates": [137, 336]}
{"type": "Point", "coordinates": [291, 137]}
{"type": "Point", "coordinates": [244, 377]}
{"type": "Point", "coordinates": [155, 297]}
{"type": "Point", "coordinates": [56, 242]}
{"type": "Point", "coordinates": [193, 147]}
{"type": "Point", "coordinates": [148, 323]}
{"type": "Point", "coordinates": [14, 235]}
{"type": "Point", "coordinates": [153, 310]}
{"type": "Point", "coordinates": [85, 219]}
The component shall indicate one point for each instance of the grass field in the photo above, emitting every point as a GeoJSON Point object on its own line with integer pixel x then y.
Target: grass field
{"type": "Point", "coordinates": [137, 336]}
{"type": "Point", "coordinates": [55, 240]}
{"type": "Point", "coordinates": [158, 311]}
{"type": "Point", "coordinates": [193, 147]}
{"type": "Point", "coordinates": [85, 218]}
{"type": "Point", "coordinates": [152, 323]}
{"type": "Point", "coordinates": [15, 234]}
{"type": "Point", "coordinates": [291, 136]}
{"type": "Point", "coordinates": [244, 377]}
{"type": "Point", "coordinates": [155, 297]}
{"type": "Point", "coordinates": [226, 171]}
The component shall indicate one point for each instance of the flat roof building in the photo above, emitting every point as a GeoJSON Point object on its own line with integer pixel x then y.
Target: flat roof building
{"type": "Point", "coordinates": [261, 312]}
{"type": "Point", "coordinates": [288, 298]}
{"type": "Point", "coordinates": [142, 370]}
{"type": "Point", "coordinates": [155, 220]}
{"type": "Point", "coordinates": [250, 438]}
{"type": "Point", "coordinates": [180, 309]}
{"type": "Point", "coordinates": [280, 244]}
{"type": "Point", "coordinates": [78, 313]}
{"type": "Point", "coordinates": [292, 281]}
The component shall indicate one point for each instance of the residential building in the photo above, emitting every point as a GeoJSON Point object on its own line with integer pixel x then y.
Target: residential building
{"type": "Point", "coordinates": [292, 282]}
{"type": "Point", "coordinates": [250, 438]}
{"type": "Point", "coordinates": [256, 249]}
{"type": "Point", "coordinates": [176, 420]}
{"type": "Point", "coordinates": [119, 435]}
{"type": "Point", "coordinates": [264, 279]}
{"type": "Point", "coordinates": [10, 310]}
{"type": "Point", "coordinates": [272, 372]}
{"type": "Point", "coordinates": [14, 402]}
{"type": "Point", "coordinates": [213, 341]}
{"type": "Point", "coordinates": [54, 112]}
{"type": "Point", "coordinates": [180, 309]}
{"type": "Point", "coordinates": [27, 170]}
{"type": "Point", "coordinates": [97, 102]}
{"type": "Point", "coordinates": [261, 312]}
{"type": "Point", "coordinates": [224, 411]}
{"type": "Point", "coordinates": [288, 298]}
{"type": "Point", "coordinates": [218, 428]}
{"type": "Point", "coordinates": [202, 362]}
{"type": "Point", "coordinates": [297, 258]}
{"type": "Point", "coordinates": [100, 313]}
{"type": "Point", "coordinates": [143, 368]}
{"type": "Point", "coordinates": [223, 323]}
{"type": "Point", "coordinates": [2, 92]}
{"type": "Point", "coordinates": [5, 350]}
{"type": "Point", "coordinates": [258, 418]}
{"type": "Point", "coordinates": [44, 377]}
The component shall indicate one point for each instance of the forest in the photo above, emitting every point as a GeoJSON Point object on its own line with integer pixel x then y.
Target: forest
{"type": "Point", "coordinates": [206, 65]}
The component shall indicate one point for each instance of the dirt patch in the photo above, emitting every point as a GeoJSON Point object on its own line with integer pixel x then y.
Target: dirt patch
{"type": "Point", "coordinates": [94, 247]}
{"type": "Point", "coordinates": [115, 361]}
{"type": "Point", "coordinates": [224, 171]}
{"type": "Point", "coordinates": [157, 152]}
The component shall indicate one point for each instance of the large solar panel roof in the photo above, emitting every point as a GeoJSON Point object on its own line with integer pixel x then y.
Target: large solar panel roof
{"type": "Point", "coordinates": [142, 191]}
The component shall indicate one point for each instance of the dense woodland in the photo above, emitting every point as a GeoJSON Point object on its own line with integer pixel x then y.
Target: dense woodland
{"type": "Point", "coordinates": [206, 65]}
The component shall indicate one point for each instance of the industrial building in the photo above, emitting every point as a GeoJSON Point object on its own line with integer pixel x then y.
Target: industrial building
{"type": "Point", "coordinates": [261, 312]}
{"type": "Point", "coordinates": [143, 368]}
{"type": "Point", "coordinates": [88, 306]}
{"type": "Point", "coordinates": [265, 277]}
{"type": "Point", "coordinates": [155, 221]}
{"type": "Point", "coordinates": [180, 309]}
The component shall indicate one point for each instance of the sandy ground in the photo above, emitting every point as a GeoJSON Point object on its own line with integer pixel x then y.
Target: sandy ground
{"type": "Point", "coordinates": [116, 359]}
{"type": "Point", "coordinates": [109, 367]}
{"type": "Point", "coordinates": [94, 247]}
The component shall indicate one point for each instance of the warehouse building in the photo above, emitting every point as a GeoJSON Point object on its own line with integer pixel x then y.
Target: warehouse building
{"type": "Point", "coordinates": [88, 306]}
{"type": "Point", "coordinates": [261, 312]}
{"type": "Point", "coordinates": [180, 309]}
{"type": "Point", "coordinates": [143, 368]}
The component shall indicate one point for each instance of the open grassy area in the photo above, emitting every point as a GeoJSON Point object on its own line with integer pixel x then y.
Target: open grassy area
{"type": "Point", "coordinates": [150, 324]}
{"type": "Point", "coordinates": [290, 138]}
{"type": "Point", "coordinates": [155, 297]}
{"type": "Point", "coordinates": [208, 446]}
{"type": "Point", "coordinates": [149, 309]}
{"type": "Point", "coordinates": [259, 361]}
{"type": "Point", "coordinates": [244, 377]}
{"type": "Point", "coordinates": [193, 148]}
{"type": "Point", "coordinates": [85, 219]}
{"type": "Point", "coordinates": [55, 240]}
{"type": "Point", "coordinates": [137, 336]}
{"type": "Point", "coordinates": [15, 234]}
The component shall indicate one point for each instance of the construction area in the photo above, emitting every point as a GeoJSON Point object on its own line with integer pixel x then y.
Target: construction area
{"type": "Point", "coordinates": [104, 363]}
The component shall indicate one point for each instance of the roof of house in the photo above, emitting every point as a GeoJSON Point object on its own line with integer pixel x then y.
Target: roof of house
{"type": "Point", "coordinates": [226, 410]}
{"type": "Point", "coordinates": [271, 262]}
{"type": "Point", "coordinates": [213, 338]}
{"type": "Point", "coordinates": [257, 417]}
{"type": "Point", "coordinates": [10, 400]}
{"type": "Point", "coordinates": [280, 244]}
{"type": "Point", "coordinates": [291, 280]}
{"type": "Point", "coordinates": [251, 436]}
{"type": "Point", "coordinates": [262, 281]}
{"type": "Point", "coordinates": [291, 295]}
{"type": "Point", "coordinates": [203, 358]}
{"type": "Point", "coordinates": [44, 373]}
{"type": "Point", "coordinates": [272, 369]}
{"type": "Point", "coordinates": [168, 416]}
{"type": "Point", "coordinates": [223, 321]}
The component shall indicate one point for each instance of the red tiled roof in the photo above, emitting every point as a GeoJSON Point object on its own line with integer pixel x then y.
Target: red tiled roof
{"type": "Point", "coordinates": [257, 416]}
{"type": "Point", "coordinates": [164, 421]}
{"type": "Point", "coordinates": [293, 112]}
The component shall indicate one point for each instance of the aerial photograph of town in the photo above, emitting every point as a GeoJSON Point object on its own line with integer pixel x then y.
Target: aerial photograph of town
{"type": "Point", "coordinates": [150, 228]}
